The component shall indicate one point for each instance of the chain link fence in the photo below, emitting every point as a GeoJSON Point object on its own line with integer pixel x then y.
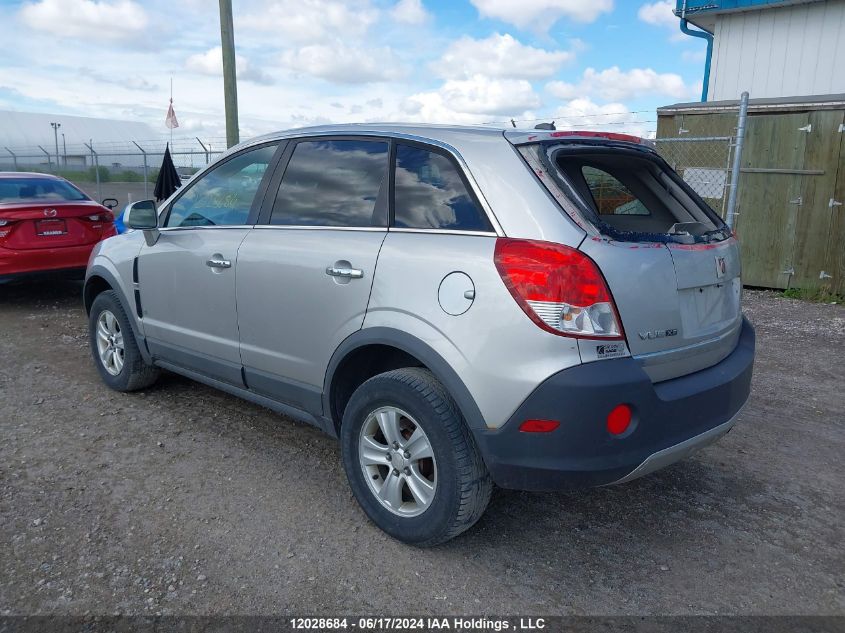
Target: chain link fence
{"type": "Point", "coordinates": [120, 170]}
{"type": "Point", "coordinates": [705, 165]}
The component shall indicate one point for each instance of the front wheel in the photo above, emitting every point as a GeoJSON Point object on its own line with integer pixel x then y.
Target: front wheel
{"type": "Point", "coordinates": [114, 348]}
{"type": "Point", "coordinates": [411, 462]}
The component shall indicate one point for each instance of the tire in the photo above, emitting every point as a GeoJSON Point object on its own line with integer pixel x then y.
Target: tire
{"type": "Point", "coordinates": [461, 483]}
{"type": "Point", "coordinates": [130, 372]}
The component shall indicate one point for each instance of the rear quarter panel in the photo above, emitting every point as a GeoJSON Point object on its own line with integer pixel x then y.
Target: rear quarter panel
{"type": "Point", "coordinates": [499, 353]}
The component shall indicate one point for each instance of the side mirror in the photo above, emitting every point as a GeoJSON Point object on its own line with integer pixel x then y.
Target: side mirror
{"type": "Point", "coordinates": [110, 203]}
{"type": "Point", "coordinates": [143, 216]}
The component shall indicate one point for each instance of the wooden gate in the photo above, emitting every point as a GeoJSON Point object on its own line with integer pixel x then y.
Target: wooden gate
{"type": "Point", "coordinates": [791, 216]}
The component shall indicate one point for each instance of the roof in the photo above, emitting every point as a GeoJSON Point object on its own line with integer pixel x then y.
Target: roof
{"type": "Point", "coordinates": [30, 129]}
{"type": "Point", "coordinates": [446, 134]}
{"type": "Point", "coordinates": [27, 174]}
{"type": "Point", "coordinates": [769, 104]}
{"type": "Point", "coordinates": [702, 12]}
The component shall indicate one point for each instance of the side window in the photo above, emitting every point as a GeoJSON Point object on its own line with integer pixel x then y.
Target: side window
{"type": "Point", "coordinates": [332, 183]}
{"type": "Point", "coordinates": [223, 196]}
{"type": "Point", "coordinates": [430, 194]}
{"type": "Point", "coordinates": [610, 195]}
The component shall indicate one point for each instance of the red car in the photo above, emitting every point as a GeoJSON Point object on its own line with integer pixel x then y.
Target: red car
{"type": "Point", "coordinates": [47, 226]}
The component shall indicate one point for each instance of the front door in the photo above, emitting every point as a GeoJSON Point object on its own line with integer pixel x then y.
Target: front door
{"type": "Point", "coordinates": [187, 278]}
{"type": "Point", "coordinates": [305, 272]}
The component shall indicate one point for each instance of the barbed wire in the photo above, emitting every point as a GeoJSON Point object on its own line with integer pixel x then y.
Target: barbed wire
{"type": "Point", "coordinates": [567, 117]}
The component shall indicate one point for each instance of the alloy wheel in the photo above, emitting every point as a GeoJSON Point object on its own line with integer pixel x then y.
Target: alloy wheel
{"type": "Point", "coordinates": [110, 342]}
{"type": "Point", "coordinates": [398, 462]}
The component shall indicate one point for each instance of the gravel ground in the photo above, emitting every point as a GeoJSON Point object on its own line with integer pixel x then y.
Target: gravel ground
{"type": "Point", "coordinates": [185, 500]}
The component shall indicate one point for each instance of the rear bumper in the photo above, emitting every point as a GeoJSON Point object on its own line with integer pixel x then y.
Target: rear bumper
{"type": "Point", "coordinates": [44, 262]}
{"type": "Point", "coordinates": [671, 420]}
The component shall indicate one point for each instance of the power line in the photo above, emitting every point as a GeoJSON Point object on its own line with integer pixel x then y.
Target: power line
{"type": "Point", "coordinates": [569, 116]}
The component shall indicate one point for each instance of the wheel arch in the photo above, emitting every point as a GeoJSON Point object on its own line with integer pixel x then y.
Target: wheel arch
{"type": "Point", "coordinates": [380, 349]}
{"type": "Point", "coordinates": [99, 279]}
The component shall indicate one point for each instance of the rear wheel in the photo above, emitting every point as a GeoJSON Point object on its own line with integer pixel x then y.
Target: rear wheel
{"type": "Point", "coordinates": [114, 348]}
{"type": "Point", "coordinates": [410, 460]}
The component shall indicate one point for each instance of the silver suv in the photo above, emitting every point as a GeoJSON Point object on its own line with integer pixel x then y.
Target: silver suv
{"type": "Point", "coordinates": [459, 306]}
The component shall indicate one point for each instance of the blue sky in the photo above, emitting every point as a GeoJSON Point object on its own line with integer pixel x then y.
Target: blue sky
{"type": "Point", "coordinates": [586, 63]}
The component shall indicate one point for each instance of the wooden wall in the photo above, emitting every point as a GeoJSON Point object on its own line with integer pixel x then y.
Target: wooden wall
{"type": "Point", "coordinates": [791, 231]}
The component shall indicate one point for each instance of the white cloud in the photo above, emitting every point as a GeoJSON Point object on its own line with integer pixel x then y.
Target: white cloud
{"type": "Point", "coordinates": [542, 14]}
{"type": "Point", "coordinates": [472, 100]}
{"type": "Point", "coordinates": [694, 56]}
{"type": "Point", "coordinates": [613, 84]}
{"type": "Point", "coordinates": [211, 63]}
{"type": "Point", "coordinates": [659, 14]}
{"type": "Point", "coordinates": [310, 21]}
{"type": "Point", "coordinates": [86, 18]}
{"type": "Point", "coordinates": [584, 114]}
{"type": "Point", "coordinates": [344, 64]}
{"type": "Point", "coordinates": [410, 12]}
{"type": "Point", "coordinates": [498, 56]}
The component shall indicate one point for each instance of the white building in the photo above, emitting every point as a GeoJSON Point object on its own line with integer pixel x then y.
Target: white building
{"type": "Point", "coordinates": [28, 138]}
{"type": "Point", "coordinates": [771, 48]}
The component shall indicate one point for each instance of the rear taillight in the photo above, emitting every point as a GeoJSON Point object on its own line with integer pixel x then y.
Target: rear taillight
{"type": "Point", "coordinates": [5, 227]}
{"type": "Point", "coordinates": [559, 288]}
{"type": "Point", "coordinates": [100, 217]}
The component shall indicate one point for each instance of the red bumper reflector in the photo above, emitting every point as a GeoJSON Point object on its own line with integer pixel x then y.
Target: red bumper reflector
{"type": "Point", "coordinates": [539, 426]}
{"type": "Point", "coordinates": [619, 419]}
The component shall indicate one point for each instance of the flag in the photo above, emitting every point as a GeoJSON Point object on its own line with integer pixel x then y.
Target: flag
{"type": "Point", "coordinates": [168, 178]}
{"type": "Point", "coordinates": [171, 121]}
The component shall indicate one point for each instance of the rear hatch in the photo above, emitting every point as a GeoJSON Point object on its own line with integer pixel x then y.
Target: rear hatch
{"type": "Point", "coordinates": [25, 226]}
{"type": "Point", "coordinates": [671, 264]}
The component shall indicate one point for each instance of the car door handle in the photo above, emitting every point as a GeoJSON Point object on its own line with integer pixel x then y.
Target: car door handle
{"type": "Point", "coordinates": [218, 263]}
{"type": "Point", "coordinates": [348, 273]}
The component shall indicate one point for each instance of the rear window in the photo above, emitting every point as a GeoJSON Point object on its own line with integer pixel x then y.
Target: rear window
{"type": "Point", "coordinates": [38, 190]}
{"type": "Point", "coordinates": [429, 193]}
{"type": "Point", "coordinates": [626, 194]}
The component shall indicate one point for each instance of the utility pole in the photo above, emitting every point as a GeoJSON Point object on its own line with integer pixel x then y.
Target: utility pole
{"type": "Point", "coordinates": [56, 127]}
{"type": "Point", "coordinates": [230, 82]}
{"type": "Point", "coordinates": [64, 150]}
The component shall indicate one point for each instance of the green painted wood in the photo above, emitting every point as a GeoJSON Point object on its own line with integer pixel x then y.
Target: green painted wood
{"type": "Point", "coordinates": [766, 222]}
{"type": "Point", "coordinates": [813, 224]}
{"type": "Point", "coordinates": [834, 261]}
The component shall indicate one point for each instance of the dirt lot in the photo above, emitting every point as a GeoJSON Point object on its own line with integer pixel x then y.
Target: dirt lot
{"type": "Point", "coordinates": [186, 500]}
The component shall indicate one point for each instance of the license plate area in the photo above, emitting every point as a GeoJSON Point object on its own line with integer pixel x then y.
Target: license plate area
{"type": "Point", "coordinates": [710, 309]}
{"type": "Point", "coordinates": [49, 228]}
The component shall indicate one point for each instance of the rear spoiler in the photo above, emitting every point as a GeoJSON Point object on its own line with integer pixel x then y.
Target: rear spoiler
{"type": "Point", "coordinates": [523, 137]}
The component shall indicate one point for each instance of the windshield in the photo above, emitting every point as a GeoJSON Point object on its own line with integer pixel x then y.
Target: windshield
{"type": "Point", "coordinates": [38, 190]}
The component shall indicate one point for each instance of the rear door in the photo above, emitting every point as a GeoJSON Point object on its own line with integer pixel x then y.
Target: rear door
{"type": "Point", "coordinates": [305, 271]}
{"type": "Point", "coordinates": [674, 277]}
{"type": "Point", "coordinates": [679, 303]}
{"type": "Point", "coordinates": [187, 278]}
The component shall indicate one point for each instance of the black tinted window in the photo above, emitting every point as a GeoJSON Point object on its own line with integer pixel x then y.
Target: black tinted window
{"type": "Point", "coordinates": [430, 194]}
{"type": "Point", "coordinates": [223, 196]}
{"type": "Point", "coordinates": [332, 183]}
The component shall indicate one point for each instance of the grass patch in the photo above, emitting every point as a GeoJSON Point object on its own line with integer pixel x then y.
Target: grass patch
{"type": "Point", "coordinates": [817, 295]}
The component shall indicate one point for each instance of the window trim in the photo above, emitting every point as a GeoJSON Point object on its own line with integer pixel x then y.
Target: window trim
{"type": "Point", "coordinates": [471, 191]}
{"type": "Point", "coordinates": [257, 200]}
{"type": "Point", "coordinates": [266, 211]}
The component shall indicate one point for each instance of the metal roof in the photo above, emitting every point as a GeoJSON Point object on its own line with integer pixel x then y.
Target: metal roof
{"type": "Point", "coordinates": [702, 12]}
{"type": "Point", "coordinates": [448, 134]}
{"type": "Point", "coordinates": [30, 129]}
{"type": "Point", "coordinates": [770, 104]}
